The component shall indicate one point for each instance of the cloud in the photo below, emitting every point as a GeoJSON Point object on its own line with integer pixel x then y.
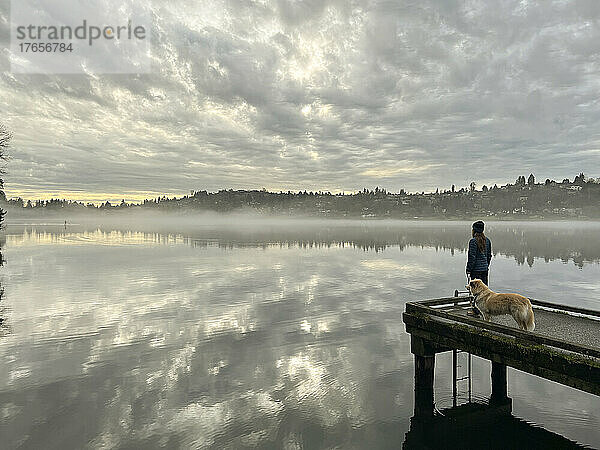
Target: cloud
{"type": "Point", "coordinates": [330, 95]}
{"type": "Point", "coordinates": [390, 172]}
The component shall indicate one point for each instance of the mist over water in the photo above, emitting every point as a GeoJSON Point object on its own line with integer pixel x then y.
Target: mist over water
{"type": "Point", "coordinates": [240, 331]}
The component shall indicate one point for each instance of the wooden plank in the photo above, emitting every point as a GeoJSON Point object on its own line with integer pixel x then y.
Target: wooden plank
{"type": "Point", "coordinates": [443, 301]}
{"type": "Point", "coordinates": [526, 336]}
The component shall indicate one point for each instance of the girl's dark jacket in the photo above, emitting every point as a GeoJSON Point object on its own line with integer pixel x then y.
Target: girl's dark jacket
{"type": "Point", "coordinates": [479, 262]}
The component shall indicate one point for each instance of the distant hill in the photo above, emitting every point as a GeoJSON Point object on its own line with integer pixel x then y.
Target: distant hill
{"type": "Point", "coordinates": [525, 198]}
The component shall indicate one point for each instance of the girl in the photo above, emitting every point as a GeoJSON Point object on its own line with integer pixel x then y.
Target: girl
{"type": "Point", "coordinates": [480, 254]}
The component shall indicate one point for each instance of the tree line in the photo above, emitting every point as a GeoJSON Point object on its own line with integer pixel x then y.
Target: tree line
{"type": "Point", "coordinates": [577, 198]}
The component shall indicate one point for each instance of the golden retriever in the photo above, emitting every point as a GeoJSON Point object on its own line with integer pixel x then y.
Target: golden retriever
{"type": "Point", "coordinates": [492, 304]}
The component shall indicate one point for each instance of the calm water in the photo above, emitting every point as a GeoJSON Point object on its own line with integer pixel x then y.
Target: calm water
{"type": "Point", "coordinates": [271, 335]}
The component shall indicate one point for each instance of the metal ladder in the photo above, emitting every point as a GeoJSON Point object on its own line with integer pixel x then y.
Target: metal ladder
{"type": "Point", "coordinates": [455, 366]}
{"type": "Point", "coordinates": [455, 376]}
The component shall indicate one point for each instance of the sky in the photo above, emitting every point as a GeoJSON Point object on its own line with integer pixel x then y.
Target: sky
{"type": "Point", "coordinates": [319, 95]}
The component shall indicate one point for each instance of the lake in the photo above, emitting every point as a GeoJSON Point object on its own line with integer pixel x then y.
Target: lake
{"type": "Point", "coordinates": [233, 332]}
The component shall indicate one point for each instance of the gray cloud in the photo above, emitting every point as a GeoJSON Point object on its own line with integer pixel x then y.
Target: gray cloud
{"type": "Point", "coordinates": [319, 95]}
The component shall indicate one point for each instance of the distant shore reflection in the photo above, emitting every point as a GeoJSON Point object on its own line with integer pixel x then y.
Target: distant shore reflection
{"type": "Point", "coordinates": [525, 242]}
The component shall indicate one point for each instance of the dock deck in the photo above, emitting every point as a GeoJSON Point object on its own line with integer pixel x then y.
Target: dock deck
{"type": "Point", "coordinates": [558, 325]}
{"type": "Point", "coordinates": [581, 330]}
{"type": "Point", "coordinates": [564, 347]}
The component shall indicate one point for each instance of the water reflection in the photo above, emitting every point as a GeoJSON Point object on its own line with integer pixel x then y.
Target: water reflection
{"type": "Point", "coordinates": [237, 338]}
{"type": "Point", "coordinates": [480, 425]}
{"type": "Point", "coordinates": [576, 242]}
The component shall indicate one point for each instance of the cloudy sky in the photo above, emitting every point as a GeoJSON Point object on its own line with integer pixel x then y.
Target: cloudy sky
{"type": "Point", "coordinates": [319, 95]}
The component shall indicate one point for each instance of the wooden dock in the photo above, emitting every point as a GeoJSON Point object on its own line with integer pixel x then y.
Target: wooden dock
{"type": "Point", "coordinates": [565, 346]}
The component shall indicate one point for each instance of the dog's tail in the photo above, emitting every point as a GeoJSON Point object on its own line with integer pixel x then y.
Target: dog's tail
{"type": "Point", "coordinates": [529, 321]}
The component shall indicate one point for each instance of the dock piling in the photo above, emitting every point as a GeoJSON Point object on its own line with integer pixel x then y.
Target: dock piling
{"type": "Point", "coordinates": [424, 372]}
{"type": "Point", "coordinates": [499, 384]}
{"type": "Point", "coordinates": [424, 354]}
